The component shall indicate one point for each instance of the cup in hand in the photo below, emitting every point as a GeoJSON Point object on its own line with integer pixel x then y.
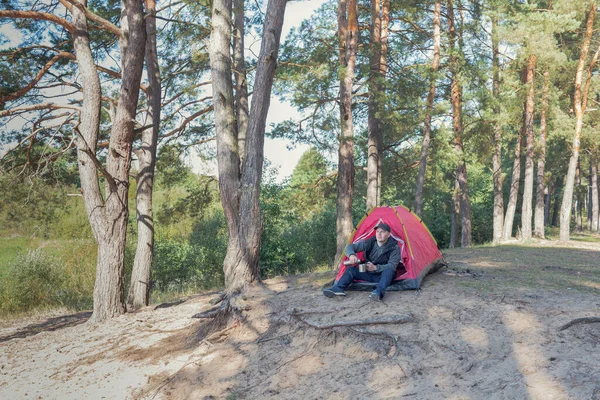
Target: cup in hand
{"type": "Point", "coordinates": [362, 267]}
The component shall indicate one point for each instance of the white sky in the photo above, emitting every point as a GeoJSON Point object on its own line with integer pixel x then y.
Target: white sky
{"type": "Point", "coordinates": [276, 150]}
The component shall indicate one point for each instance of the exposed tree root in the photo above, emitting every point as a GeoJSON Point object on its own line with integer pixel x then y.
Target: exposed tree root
{"type": "Point", "coordinates": [393, 338]}
{"type": "Point", "coordinates": [213, 312]}
{"type": "Point", "coordinates": [393, 319]}
{"type": "Point", "coordinates": [587, 320]}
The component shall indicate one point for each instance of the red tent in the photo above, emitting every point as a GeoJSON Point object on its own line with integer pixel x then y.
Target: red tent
{"type": "Point", "coordinates": [420, 254]}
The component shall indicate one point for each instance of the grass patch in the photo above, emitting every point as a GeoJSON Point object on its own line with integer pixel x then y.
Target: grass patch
{"type": "Point", "coordinates": [516, 267]}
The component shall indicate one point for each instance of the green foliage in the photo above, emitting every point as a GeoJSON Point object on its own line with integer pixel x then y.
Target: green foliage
{"type": "Point", "coordinates": [48, 278]}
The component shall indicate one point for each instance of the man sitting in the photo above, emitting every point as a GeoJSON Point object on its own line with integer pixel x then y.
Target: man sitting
{"type": "Point", "coordinates": [382, 255]}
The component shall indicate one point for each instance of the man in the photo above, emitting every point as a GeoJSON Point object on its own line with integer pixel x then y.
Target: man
{"type": "Point", "coordinates": [382, 255]}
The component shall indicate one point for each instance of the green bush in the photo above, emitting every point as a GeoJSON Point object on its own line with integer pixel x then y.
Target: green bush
{"type": "Point", "coordinates": [37, 279]}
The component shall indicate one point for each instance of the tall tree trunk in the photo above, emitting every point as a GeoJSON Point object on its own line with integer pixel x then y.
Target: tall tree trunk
{"type": "Point", "coordinates": [589, 200]}
{"type": "Point", "coordinates": [514, 191]}
{"type": "Point", "coordinates": [456, 98]}
{"type": "Point", "coordinates": [374, 144]}
{"type": "Point", "coordinates": [557, 194]}
{"type": "Point", "coordinates": [526, 205]}
{"type": "Point", "coordinates": [579, 202]}
{"type": "Point", "coordinates": [578, 102]}
{"type": "Point", "coordinates": [548, 195]}
{"type": "Point", "coordinates": [454, 225]}
{"type": "Point", "coordinates": [108, 290]}
{"type": "Point", "coordinates": [239, 183]}
{"type": "Point", "coordinates": [594, 197]}
{"type": "Point", "coordinates": [139, 288]}
{"type": "Point", "coordinates": [498, 218]}
{"type": "Point", "coordinates": [540, 210]}
{"type": "Point", "coordinates": [429, 110]}
{"type": "Point", "coordinates": [385, 24]}
{"type": "Point", "coordinates": [348, 36]}
{"type": "Point", "coordinates": [241, 84]}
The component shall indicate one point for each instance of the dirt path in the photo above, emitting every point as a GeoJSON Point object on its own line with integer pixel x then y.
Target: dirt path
{"type": "Point", "coordinates": [475, 331]}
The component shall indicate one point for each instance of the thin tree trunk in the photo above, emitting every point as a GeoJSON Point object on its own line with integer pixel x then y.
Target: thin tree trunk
{"type": "Point", "coordinates": [348, 36]}
{"type": "Point", "coordinates": [374, 144]}
{"type": "Point", "coordinates": [139, 288]}
{"type": "Point", "coordinates": [526, 205]}
{"type": "Point", "coordinates": [241, 84]}
{"type": "Point", "coordinates": [454, 225]}
{"type": "Point", "coordinates": [429, 110]}
{"type": "Point", "coordinates": [579, 203]}
{"type": "Point", "coordinates": [456, 98]}
{"type": "Point", "coordinates": [498, 218]}
{"type": "Point", "coordinates": [239, 183]}
{"type": "Point", "coordinates": [548, 195]}
{"type": "Point", "coordinates": [514, 191]}
{"type": "Point", "coordinates": [557, 195]}
{"type": "Point", "coordinates": [589, 200]}
{"type": "Point", "coordinates": [385, 23]}
{"type": "Point", "coordinates": [578, 102]}
{"type": "Point", "coordinates": [594, 197]}
{"type": "Point", "coordinates": [540, 212]}
{"type": "Point", "coordinates": [89, 126]}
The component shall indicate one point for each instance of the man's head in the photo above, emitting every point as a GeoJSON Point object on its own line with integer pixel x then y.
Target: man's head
{"type": "Point", "coordinates": [382, 232]}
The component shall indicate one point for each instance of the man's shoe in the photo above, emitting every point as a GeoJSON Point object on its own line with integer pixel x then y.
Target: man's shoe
{"type": "Point", "coordinates": [333, 292]}
{"type": "Point", "coordinates": [376, 295]}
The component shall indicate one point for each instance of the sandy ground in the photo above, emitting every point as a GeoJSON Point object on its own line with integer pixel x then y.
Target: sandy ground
{"type": "Point", "coordinates": [452, 340]}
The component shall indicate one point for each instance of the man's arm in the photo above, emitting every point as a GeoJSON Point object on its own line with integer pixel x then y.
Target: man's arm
{"type": "Point", "coordinates": [354, 248]}
{"type": "Point", "coordinates": [393, 261]}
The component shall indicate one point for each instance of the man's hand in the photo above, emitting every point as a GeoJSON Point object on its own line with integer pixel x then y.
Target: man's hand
{"type": "Point", "coordinates": [371, 267]}
{"type": "Point", "coordinates": [353, 259]}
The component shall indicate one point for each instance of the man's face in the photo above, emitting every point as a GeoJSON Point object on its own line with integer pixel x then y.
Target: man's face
{"type": "Point", "coordinates": [382, 235]}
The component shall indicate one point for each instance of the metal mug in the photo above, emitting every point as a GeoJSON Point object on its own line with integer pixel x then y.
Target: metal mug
{"type": "Point", "coordinates": [362, 267]}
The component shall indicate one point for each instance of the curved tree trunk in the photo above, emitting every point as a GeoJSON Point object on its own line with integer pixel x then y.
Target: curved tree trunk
{"type": "Point", "coordinates": [139, 288]}
{"type": "Point", "coordinates": [579, 106]}
{"type": "Point", "coordinates": [429, 110]}
{"type": "Point", "coordinates": [540, 209]}
{"type": "Point", "coordinates": [348, 36]}
{"type": "Point", "coordinates": [498, 218]}
{"type": "Point", "coordinates": [526, 205]}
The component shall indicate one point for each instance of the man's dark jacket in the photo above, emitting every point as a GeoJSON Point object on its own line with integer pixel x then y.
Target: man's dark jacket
{"type": "Point", "coordinates": [386, 256]}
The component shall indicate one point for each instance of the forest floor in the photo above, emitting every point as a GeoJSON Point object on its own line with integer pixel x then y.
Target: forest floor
{"type": "Point", "coordinates": [488, 326]}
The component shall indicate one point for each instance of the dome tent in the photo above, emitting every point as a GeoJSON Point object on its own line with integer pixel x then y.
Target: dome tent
{"type": "Point", "coordinates": [418, 248]}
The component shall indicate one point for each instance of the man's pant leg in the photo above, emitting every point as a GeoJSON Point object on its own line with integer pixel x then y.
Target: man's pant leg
{"type": "Point", "coordinates": [385, 279]}
{"type": "Point", "coordinates": [352, 273]}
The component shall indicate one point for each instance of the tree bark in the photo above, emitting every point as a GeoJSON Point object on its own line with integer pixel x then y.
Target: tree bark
{"type": "Point", "coordinates": [241, 84]}
{"type": "Point", "coordinates": [108, 290]}
{"type": "Point", "coordinates": [456, 99]}
{"type": "Point", "coordinates": [540, 209]}
{"type": "Point", "coordinates": [498, 216]}
{"type": "Point", "coordinates": [557, 192]}
{"type": "Point", "coordinates": [565, 212]}
{"type": "Point", "coordinates": [239, 181]}
{"type": "Point", "coordinates": [429, 110]}
{"type": "Point", "coordinates": [514, 191]}
{"type": "Point", "coordinates": [455, 215]}
{"type": "Point", "coordinates": [579, 202]}
{"type": "Point", "coordinates": [374, 144]}
{"type": "Point", "coordinates": [594, 197]}
{"type": "Point", "coordinates": [526, 205]}
{"type": "Point", "coordinates": [139, 288]}
{"type": "Point", "coordinates": [348, 36]}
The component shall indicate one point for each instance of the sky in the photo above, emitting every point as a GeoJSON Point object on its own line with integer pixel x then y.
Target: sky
{"type": "Point", "coordinates": [277, 151]}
